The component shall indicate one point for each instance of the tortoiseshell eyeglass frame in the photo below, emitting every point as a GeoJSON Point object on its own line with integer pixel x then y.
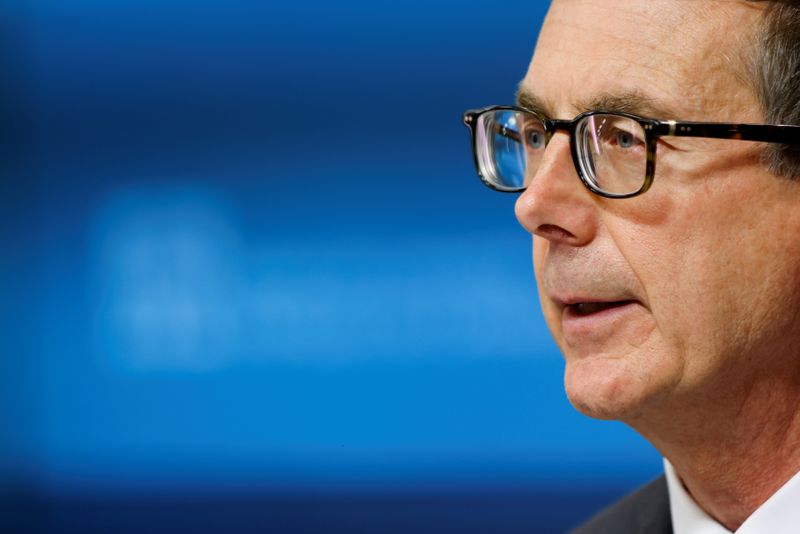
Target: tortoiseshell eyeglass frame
{"type": "Point", "coordinates": [765, 133]}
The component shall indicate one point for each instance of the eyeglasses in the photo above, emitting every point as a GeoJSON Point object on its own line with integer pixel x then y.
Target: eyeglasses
{"type": "Point", "coordinates": [614, 153]}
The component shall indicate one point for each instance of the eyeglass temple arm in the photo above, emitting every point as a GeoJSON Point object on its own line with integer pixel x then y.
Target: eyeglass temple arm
{"type": "Point", "coordinates": [766, 133]}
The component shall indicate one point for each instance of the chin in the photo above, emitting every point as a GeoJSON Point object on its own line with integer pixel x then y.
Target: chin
{"type": "Point", "coordinates": [608, 388]}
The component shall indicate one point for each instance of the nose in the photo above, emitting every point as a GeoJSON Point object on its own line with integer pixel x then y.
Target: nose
{"type": "Point", "coordinates": [556, 206]}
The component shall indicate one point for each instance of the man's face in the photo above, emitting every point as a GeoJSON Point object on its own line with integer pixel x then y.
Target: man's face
{"type": "Point", "coordinates": [703, 270]}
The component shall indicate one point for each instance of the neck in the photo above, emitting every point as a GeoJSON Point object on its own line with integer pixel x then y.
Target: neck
{"type": "Point", "coordinates": [732, 456]}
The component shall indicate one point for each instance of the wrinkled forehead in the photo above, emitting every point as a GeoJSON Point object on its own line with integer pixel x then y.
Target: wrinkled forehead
{"type": "Point", "coordinates": [686, 55]}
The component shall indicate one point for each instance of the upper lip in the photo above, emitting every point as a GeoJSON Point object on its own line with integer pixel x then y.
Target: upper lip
{"type": "Point", "coordinates": [572, 276]}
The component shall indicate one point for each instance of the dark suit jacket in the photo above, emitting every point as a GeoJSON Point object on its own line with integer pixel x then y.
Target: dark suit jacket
{"type": "Point", "coordinates": [646, 511]}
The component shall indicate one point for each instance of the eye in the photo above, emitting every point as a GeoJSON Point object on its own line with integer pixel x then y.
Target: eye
{"type": "Point", "coordinates": [534, 138]}
{"type": "Point", "coordinates": [625, 139]}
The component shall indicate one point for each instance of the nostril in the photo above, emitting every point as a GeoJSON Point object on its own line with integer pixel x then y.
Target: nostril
{"type": "Point", "coordinates": [551, 231]}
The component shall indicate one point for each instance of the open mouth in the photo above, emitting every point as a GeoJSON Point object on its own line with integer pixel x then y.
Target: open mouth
{"type": "Point", "coordinates": [588, 308]}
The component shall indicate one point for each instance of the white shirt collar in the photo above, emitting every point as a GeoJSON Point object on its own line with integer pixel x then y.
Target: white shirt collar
{"type": "Point", "coordinates": [780, 514]}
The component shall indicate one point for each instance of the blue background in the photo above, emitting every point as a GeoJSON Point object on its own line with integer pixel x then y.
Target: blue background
{"type": "Point", "coordinates": [251, 281]}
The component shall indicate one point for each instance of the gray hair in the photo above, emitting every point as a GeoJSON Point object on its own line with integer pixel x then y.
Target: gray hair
{"type": "Point", "coordinates": [776, 70]}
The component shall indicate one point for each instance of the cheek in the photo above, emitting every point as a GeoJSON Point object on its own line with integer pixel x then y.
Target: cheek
{"type": "Point", "coordinates": [745, 297]}
{"type": "Point", "coordinates": [724, 284]}
{"type": "Point", "coordinates": [687, 283]}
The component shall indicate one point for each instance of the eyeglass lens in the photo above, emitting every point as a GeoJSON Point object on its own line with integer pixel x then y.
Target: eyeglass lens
{"type": "Point", "coordinates": [611, 150]}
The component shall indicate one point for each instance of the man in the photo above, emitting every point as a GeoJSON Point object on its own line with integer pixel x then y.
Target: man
{"type": "Point", "coordinates": [666, 247]}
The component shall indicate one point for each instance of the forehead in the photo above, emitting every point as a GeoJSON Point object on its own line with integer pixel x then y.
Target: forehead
{"type": "Point", "coordinates": [683, 55]}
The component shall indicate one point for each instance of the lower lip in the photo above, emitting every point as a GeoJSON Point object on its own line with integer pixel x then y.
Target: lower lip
{"type": "Point", "coordinates": [598, 326]}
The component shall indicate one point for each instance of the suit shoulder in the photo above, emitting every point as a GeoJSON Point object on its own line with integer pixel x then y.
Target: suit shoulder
{"type": "Point", "coordinates": [644, 510]}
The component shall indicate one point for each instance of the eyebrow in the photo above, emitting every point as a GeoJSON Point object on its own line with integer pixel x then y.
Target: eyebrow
{"type": "Point", "coordinates": [633, 102]}
{"type": "Point", "coordinates": [528, 100]}
{"type": "Point", "coordinates": [629, 102]}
